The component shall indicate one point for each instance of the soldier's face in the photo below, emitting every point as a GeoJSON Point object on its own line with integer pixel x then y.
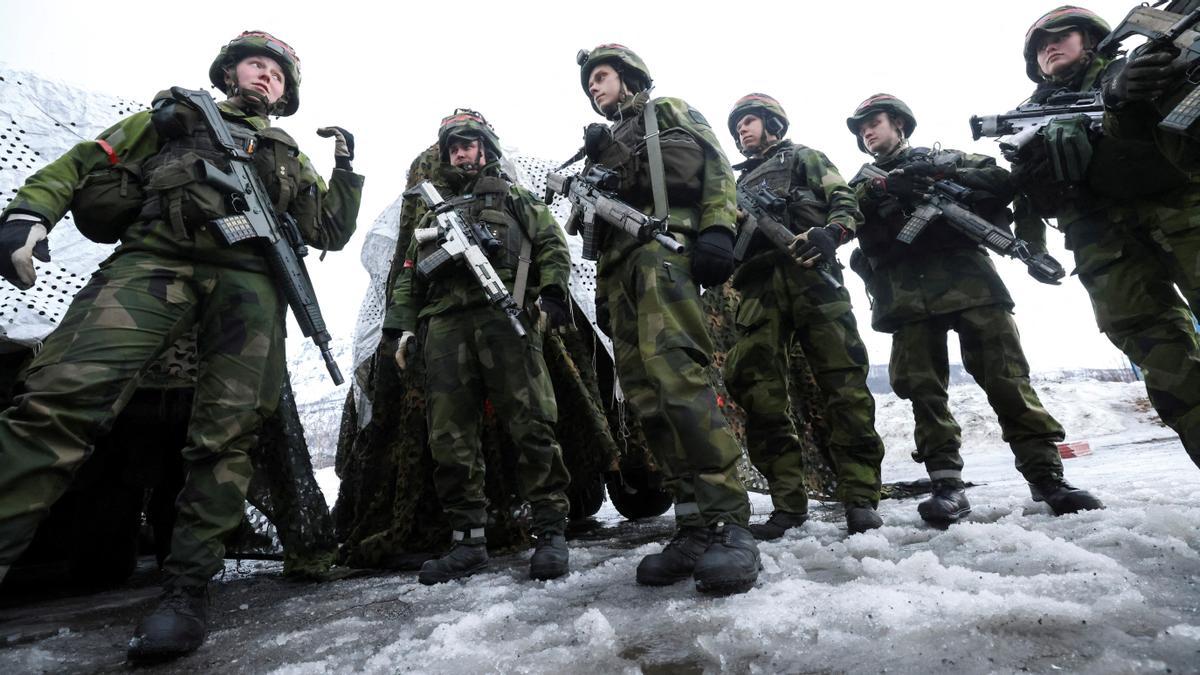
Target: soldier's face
{"type": "Point", "coordinates": [261, 74]}
{"type": "Point", "coordinates": [466, 154]}
{"type": "Point", "coordinates": [1059, 51]}
{"type": "Point", "coordinates": [750, 132]}
{"type": "Point", "coordinates": [604, 84]}
{"type": "Point", "coordinates": [879, 134]}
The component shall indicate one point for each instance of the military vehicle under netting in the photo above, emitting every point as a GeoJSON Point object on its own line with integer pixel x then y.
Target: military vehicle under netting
{"type": "Point", "coordinates": [387, 513]}
{"type": "Point", "coordinates": [121, 503]}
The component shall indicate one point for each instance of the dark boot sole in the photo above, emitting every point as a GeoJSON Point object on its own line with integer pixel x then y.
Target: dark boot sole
{"type": "Point", "coordinates": [548, 573]}
{"type": "Point", "coordinates": [433, 579]}
{"type": "Point", "coordinates": [151, 655]}
{"type": "Point", "coordinates": [1095, 505]}
{"type": "Point", "coordinates": [945, 521]}
{"type": "Point", "coordinates": [760, 535]}
{"type": "Point", "coordinates": [726, 586]}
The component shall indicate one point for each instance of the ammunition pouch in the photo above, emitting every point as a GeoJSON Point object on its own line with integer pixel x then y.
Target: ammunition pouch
{"type": "Point", "coordinates": [107, 201]}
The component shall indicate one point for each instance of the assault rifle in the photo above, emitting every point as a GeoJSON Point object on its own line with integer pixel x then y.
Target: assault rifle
{"type": "Point", "coordinates": [1170, 28]}
{"type": "Point", "coordinates": [255, 220]}
{"type": "Point", "coordinates": [945, 200]}
{"type": "Point", "coordinates": [759, 204]}
{"type": "Point", "coordinates": [459, 241]}
{"type": "Point", "coordinates": [590, 196]}
{"type": "Point", "coordinates": [1016, 128]}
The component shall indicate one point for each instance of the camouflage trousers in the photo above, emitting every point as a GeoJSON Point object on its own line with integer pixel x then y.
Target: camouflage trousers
{"type": "Point", "coordinates": [133, 308]}
{"type": "Point", "coordinates": [787, 305]}
{"type": "Point", "coordinates": [471, 356]}
{"type": "Point", "coordinates": [662, 347]}
{"type": "Point", "coordinates": [1135, 265]}
{"type": "Point", "coordinates": [992, 354]}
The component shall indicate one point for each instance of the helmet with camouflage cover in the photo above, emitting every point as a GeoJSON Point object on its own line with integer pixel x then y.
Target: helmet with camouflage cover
{"type": "Point", "coordinates": [773, 116]}
{"type": "Point", "coordinates": [467, 124]}
{"type": "Point", "coordinates": [629, 66]}
{"type": "Point", "coordinates": [1067, 17]}
{"type": "Point", "coordinates": [256, 42]}
{"type": "Point", "coordinates": [881, 103]}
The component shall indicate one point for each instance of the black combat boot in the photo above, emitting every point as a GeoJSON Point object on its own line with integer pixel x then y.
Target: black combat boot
{"type": "Point", "coordinates": [1063, 497]}
{"type": "Point", "coordinates": [777, 524]}
{"type": "Point", "coordinates": [176, 627]}
{"type": "Point", "coordinates": [463, 560]}
{"type": "Point", "coordinates": [947, 505]}
{"type": "Point", "coordinates": [730, 564]}
{"type": "Point", "coordinates": [550, 557]}
{"type": "Point", "coordinates": [861, 517]}
{"type": "Point", "coordinates": [677, 560]}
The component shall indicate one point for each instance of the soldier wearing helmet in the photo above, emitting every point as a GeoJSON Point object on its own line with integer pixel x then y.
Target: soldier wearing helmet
{"type": "Point", "coordinates": [471, 353]}
{"type": "Point", "coordinates": [940, 282]}
{"type": "Point", "coordinates": [1128, 216]}
{"type": "Point", "coordinates": [169, 277]}
{"type": "Point", "coordinates": [648, 299]}
{"type": "Point", "coordinates": [785, 302]}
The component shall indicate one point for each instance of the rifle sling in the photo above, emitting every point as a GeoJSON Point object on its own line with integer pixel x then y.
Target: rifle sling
{"type": "Point", "coordinates": [523, 262]}
{"type": "Point", "coordinates": [654, 152]}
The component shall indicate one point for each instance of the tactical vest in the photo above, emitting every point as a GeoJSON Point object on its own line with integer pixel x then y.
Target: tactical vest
{"type": "Point", "coordinates": [683, 162]}
{"type": "Point", "coordinates": [804, 210]}
{"type": "Point", "coordinates": [175, 191]}
{"type": "Point", "coordinates": [486, 204]}
{"type": "Point", "coordinates": [886, 216]}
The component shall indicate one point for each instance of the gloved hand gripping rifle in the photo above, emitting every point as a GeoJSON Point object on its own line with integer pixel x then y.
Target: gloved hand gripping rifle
{"type": "Point", "coordinates": [255, 220]}
{"type": "Point", "coordinates": [590, 196]}
{"type": "Point", "coordinates": [946, 199]}
{"type": "Point", "coordinates": [759, 204]}
{"type": "Point", "coordinates": [458, 240]}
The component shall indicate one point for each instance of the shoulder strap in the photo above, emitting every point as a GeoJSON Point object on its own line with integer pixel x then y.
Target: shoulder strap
{"type": "Point", "coordinates": [654, 151]}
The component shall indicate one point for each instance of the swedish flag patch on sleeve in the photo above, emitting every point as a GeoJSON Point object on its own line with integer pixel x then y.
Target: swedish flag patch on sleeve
{"type": "Point", "coordinates": [697, 117]}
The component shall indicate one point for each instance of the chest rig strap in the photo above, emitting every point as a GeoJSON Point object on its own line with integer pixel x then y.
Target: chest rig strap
{"type": "Point", "coordinates": [658, 182]}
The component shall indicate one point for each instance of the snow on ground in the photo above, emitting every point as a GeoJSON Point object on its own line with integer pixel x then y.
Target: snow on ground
{"type": "Point", "coordinates": [1012, 589]}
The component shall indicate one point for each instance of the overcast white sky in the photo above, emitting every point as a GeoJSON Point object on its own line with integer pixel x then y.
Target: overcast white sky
{"type": "Point", "coordinates": [389, 72]}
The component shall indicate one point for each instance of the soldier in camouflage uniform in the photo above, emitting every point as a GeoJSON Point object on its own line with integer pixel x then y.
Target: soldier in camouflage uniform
{"type": "Point", "coordinates": [472, 354]}
{"type": "Point", "coordinates": [944, 281]}
{"type": "Point", "coordinates": [1129, 218]}
{"type": "Point", "coordinates": [169, 275]}
{"type": "Point", "coordinates": [785, 300]}
{"type": "Point", "coordinates": [650, 300]}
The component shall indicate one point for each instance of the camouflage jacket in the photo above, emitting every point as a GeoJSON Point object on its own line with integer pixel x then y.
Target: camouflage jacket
{"type": "Point", "coordinates": [1126, 173]}
{"type": "Point", "coordinates": [1138, 121]}
{"type": "Point", "coordinates": [942, 271]}
{"type": "Point", "coordinates": [511, 213]}
{"type": "Point", "coordinates": [816, 194]}
{"type": "Point", "coordinates": [326, 216]}
{"type": "Point", "coordinates": [700, 187]}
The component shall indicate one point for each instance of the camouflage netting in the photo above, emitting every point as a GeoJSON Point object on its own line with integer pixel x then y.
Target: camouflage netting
{"type": "Point", "coordinates": [387, 513]}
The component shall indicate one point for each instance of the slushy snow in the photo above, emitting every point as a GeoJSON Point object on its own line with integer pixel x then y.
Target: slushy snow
{"type": "Point", "coordinates": [1012, 589]}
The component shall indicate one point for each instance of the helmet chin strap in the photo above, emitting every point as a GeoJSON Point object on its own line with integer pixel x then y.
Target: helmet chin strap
{"type": "Point", "coordinates": [252, 101]}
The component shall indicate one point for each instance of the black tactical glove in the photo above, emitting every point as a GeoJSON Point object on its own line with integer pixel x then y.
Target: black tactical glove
{"type": "Point", "coordinates": [818, 245]}
{"type": "Point", "coordinates": [1032, 167]}
{"type": "Point", "coordinates": [712, 257]}
{"type": "Point", "coordinates": [553, 312]}
{"type": "Point", "coordinates": [597, 138]}
{"type": "Point", "coordinates": [907, 182]}
{"type": "Point", "coordinates": [343, 146]}
{"type": "Point", "coordinates": [1143, 77]}
{"type": "Point", "coordinates": [22, 238]}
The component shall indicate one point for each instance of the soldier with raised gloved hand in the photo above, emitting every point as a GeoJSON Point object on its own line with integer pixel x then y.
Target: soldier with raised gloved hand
{"type": "Point", "coordinates": [171, 275]}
